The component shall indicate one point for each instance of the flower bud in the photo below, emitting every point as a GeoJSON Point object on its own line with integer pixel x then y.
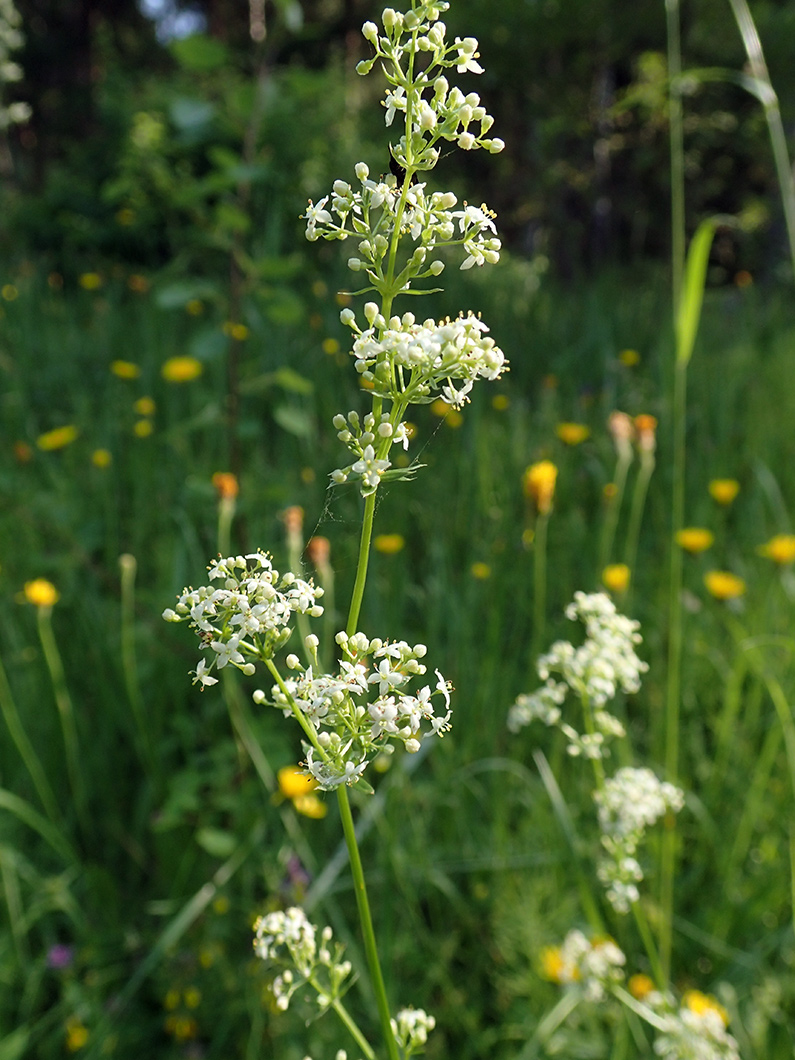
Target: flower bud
{"type": "Point", "coordinates": [347, 317]}
{"type": "Point", "coordinates": [466, 141]}
{"type": "Point", "coordinates": [355, 264]}
{"type": "Point", "coordinates": [370, 32]}
{"type": "Point", "coordinates": [371, 312]}
{"type": "Point", "coordinates": [362, 170]}
{"type": "Point", "coordinates": [436, 268]}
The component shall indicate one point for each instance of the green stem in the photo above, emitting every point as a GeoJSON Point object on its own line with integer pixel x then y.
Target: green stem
{"type": "Point", "coordinates": [353, 1029]}
{"type": "Point", "coordinates": [636, 512]}
{"type": "Point", "coordinates": [361, 568]}
{"type": "Point", "coordinates": [539, 586]}
{"type": "Point", "coordinates": [778, 139]}
{"type": "Point", "coordinates": [674, 676]}
{"type": "Point", "coordinates": [366, 921]}
{"type": "Point", "coordinates": [614, 506]}
{"type": "Point", "coordinates": [66, 713]}
{"type": "Point", "coordinates": [676, 138]}
{"type": "Point", "coordinates": [127, 566]}
{"type": "Point", "coordinates": [648, 944]}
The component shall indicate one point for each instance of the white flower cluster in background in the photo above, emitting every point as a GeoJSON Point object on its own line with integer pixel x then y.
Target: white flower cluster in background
{"type": "Point", "coordinates": [363, 709]}
{"type": "Point", "coordinates": [629, 803]}
{"type": "Point", "coordinates": [10, 40]}
{"type": "Point", "coordinates": [593, 964]}
{"type": "Point", "coordinates": [695, 1029]}
{"type": "Point", "coordinates": [603, 664]}
{"type": "Point", "coordinates": [287, 940]}
{"type": "Point", "coordinates": [411, 1028]}
{"type": "Point", "coordinates": [247, 616]}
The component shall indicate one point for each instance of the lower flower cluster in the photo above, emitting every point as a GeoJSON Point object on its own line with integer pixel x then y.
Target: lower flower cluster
{"type": "Point", "coordinates": [364, 708]}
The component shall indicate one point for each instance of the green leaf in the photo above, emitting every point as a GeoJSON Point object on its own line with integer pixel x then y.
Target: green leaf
{"type": "Point", "coordinates": [217, 843]}
{"type": "Point", "coordinates": [693, 290]}
{"type": "Point", "coordinates": [200, 53]}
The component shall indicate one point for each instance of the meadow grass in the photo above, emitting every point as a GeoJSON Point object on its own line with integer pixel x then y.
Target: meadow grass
{"type": "Point", "coordinates": [152, 856]}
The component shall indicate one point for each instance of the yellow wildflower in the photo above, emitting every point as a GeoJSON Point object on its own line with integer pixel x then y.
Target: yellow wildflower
{"type": "Point", "coordinates": [640, 985]}
{"type": "Point", "coordinates": [481, 571]}
{"type": "Point", "coordinates": [171, 1000]}
{"type": "Point", "coordinates": [389, 544]}
{"type": "Point", "coordinates": [646, 427]}
{"type": "Point", "coordinates": [58, 438]}
{"type": "Point", "coordinates": [293, 782]}
{"type": "Point", "coordinates": [500, 402]}
{"type": "Point", "coordinates": [539, 484]}
{"type": "Point", "coordinates": [572, 433]}
{"type": "Point", "coordinates": [125, 369]}
{"type": "Point", "coordinates": [238, 332]}
{"type": "Point", "coordinates": [144, 406]}
{"type": "Point", "coordinates": [90, 281]}
{"type": "Point", "coordinates": [609, 491]}
{"type": "Point", "coordinates": [724, 585]}
{"type": "Point", "coordinates": [330, 346]}
{"type": "Point", "coordinates": [616, 577]}
{"type": "Point", "coordinates": [221, 905]}
{"type": "Point", "coordinates": [703, 1003]}
{"type": "Point", "coordinates": [23, 453]}
{"type": "Point", "coordinates": [743, 278]}
{"type": "Point", "coordinates": [195, 307]}
{"type": "Point", "coordinates": [9, 292]}
{"type": "Point", "coordinates": [724, 490]}
{"type": "Point", "coordinates": [76, 1034]}
{"type": "Point", "coordinates": [181, 369]}
{"type": "Point", "coordinates": [41, 593]}
{"type": "Point", "coordinates": [694, 539]}
{"type": "Point", "coordinates": [138, 283]}
{"type": "Point", "coordinates": [142, 428]}
{"type": "Point", "coordinates": [781, 548]}
{"type": "Point", "coordinates": [629, 358]}
{"type": "Point", "coordinates": [310, 806]}
{"type": "Point", "coordinates": [192, 997]}
{"type": "Point", "coordinates": [101, 458]}
{"type": "Point", "coordinates": [125, 216]}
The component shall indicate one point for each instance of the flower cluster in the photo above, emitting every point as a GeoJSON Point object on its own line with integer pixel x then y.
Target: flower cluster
{"type": "Point", "coordinates": [360, 436]}
{"type": "Point", "coordinates": [604, 663]}
{"type": "Point", "coordinates": [413, 362]}
{"type": "Point", "coordinates": [629, 803]}
{"type": "Point", "coordinates": [692, 1030]}
{"type": "Point", "coordinates": [10, 39]}
{"type": "Point", "coordinates": [247, 616]}
{"type": "Point", "coordinates": [286, 939]}
{"type": "Point", "coordinates": [347, 726]}
{"type": "Point", "coordinates": [594, 965]}
{"type": "Point", "coordinates": [411, 1028]}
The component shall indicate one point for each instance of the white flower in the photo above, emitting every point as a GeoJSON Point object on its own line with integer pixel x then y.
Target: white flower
{"type": "Point", "coordinates": [369, 469]}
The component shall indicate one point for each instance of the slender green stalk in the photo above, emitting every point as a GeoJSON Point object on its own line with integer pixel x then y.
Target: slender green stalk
{"type": "Point", "coordinates": [639, 494]}
{"type": "Point", "coordinates": [66, 712]}
{"type": "Point", "coordinates": [539, 585]}
{"type": "Point", "coordinates": [226, 513]}
{"type": "Point", "coordinates": [769, 99]}
{"type": "Point", "coordinates": [361, 569]}
{"type": "Point", "coordinates": [353, 1029]}
{"type": "Point", "coordinates": [614, 505]}
{"type": "Point", "coordinates": [26, 750]}
{"type": "Point", "coordinates": [676, 139]}
{"type": "Point", "coordinates": [127, 566]}
{"type": "Point", "coordinates": [366, 921]}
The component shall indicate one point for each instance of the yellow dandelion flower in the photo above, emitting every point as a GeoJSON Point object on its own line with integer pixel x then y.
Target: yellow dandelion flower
{"type": "Point", "coordinates": [781, 548]}
{"type": "Point", "coordinates": [609, 491]}
{"type": "Point", "coordinates": [171, 1000]}
{"type": "Point", "coordinates": [58, 438]}
{"type": "Point", "coordinates": [142, 428]}
{"type": "Point", "coordinates": [723, 585]}
{"type": "Point", "coordinates": [439, 408]}
{"type": "Point", "coordinates": [616, 577]}
{"type": "Point", "coordinates": [703, 1003]}
{"type": "Point", "coordinates": [572, 433]}
{"type": "Point", "coordinates": [138, 283]}
{"type": "Point", "coordinates": [629, 358]}
{"type": "Point", "coordinates": [101, 458]}
{"type": "Point", "coordinates": [181, 369]}
{"type": "Point", "coordinates": [310, 806]}
{"type": "Point", "coordinates": [500, 402]}
{"type": "Point", "coordinates": [192, 997]}
{"type": "Point", "coordinates": [552, 963]}
{"type": "Point", "coordinates": [41, 593]}
{"type": "Point", "coordinates": [125, 369]}
{"type": "Point", "coordinates": [76, 1034]}
{"type": "Point", "coordinates": [307, 475]}
{"type": "Point", "coordinates": [694, 539]}
{"type": "Point", "coordinates": [226, 485]}
{"type": "Point", "coordinates": [194, 307]}
{"type": "Point", "coordinates": [330, 346]}
{"type": "Point", "coordinates": [481, 571]}
{"type": "Point", "coordinates": [90, 281]}
{"type": "Point", "coordinates": [640, 985]}
{"type": "Point", "coordinates": [292, 782]}
{"type": "Point", "coordinates": [724, 490]}
{"type": "Point", "coordinates": [389, 544]}
{"type": "Point", "coordinates": [206, 957]}
{"type": "Point", "coordinates": [539, 484]}
{"type": "Point", "coordinates": [144, 406]}
{"type": "Point", "coordinates": [743, 278]}
{"type": "Point", "coordinates": [238, 332]}
{"type": "Point", "coordinates": [9, 292]}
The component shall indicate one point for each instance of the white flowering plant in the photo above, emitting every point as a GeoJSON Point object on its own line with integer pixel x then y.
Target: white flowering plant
{"type": "Point", "coordinates": [377, 697]}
